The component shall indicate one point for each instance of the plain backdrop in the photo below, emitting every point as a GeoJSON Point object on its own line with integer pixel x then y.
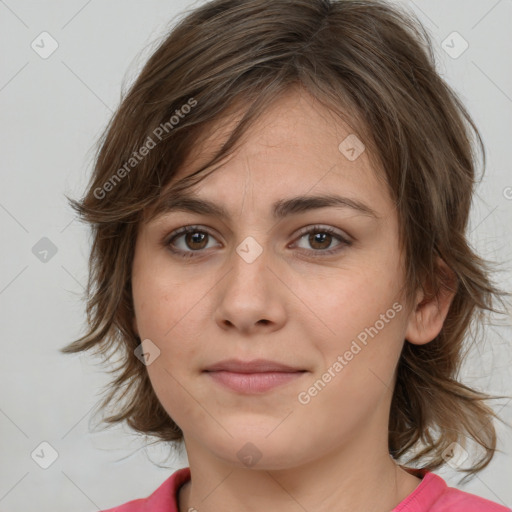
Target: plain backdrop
{"type": "Point", "coordinates": [52, 111]}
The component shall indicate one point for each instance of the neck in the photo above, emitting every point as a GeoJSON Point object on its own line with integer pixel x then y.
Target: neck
{"type": "Point", "coordinates": [345, 472]}
{"type": "Point", "coordinates": [376, 484]}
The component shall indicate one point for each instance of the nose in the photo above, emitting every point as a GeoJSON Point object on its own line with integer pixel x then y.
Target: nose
{"type": "Point", "coordinates": [250, 298]}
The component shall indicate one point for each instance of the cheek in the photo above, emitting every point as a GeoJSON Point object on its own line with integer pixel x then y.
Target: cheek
{"type": "Point", "coordinates": [171, 391]}
{"type": "Point", "coordinates": [363, 356]}
{"type": "Point", "coordinates": [170, 321]}
{"type": "Point", "coordinates": [164, 300]}
{"type": "Point", "coordinates": [170, 310]}
{"type": "Point", "coordinates": [346, 300]}
{"type": "Point", "coordinates": [359, 316]}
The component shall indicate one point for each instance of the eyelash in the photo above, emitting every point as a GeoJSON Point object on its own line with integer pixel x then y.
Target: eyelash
{"type": "Point", "coordinates": [168, 241]}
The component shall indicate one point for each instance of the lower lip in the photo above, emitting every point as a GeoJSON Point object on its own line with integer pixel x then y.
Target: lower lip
{"type": "Point", "coordinates": [253, 382]}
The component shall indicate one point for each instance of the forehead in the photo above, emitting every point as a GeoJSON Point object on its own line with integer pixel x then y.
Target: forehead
{"type": "Point", "coordinates": [296, 147]}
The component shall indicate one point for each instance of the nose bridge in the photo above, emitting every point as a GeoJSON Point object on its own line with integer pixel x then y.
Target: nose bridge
{"type": "Point", "coordinates": [248, 298]}
{"type": "Point", "coordinates": [249, 262]}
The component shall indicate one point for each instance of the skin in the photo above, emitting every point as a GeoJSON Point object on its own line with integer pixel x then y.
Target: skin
{"type": "Point", "coordinates": [293, 304]}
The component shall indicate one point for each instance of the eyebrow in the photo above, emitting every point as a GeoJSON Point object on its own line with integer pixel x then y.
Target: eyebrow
{"type": "Point", "coordinates": [280, 209]}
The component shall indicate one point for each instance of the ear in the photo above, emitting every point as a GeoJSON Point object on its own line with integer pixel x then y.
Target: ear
{"type": "Point", "coordinates": [429, 311]}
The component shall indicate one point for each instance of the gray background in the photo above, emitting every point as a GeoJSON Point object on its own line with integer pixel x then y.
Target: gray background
{"type": "Point", "coordinates": [52, 112]}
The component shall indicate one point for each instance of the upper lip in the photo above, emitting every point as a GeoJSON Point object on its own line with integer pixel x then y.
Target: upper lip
{"type": "Point", "coordinates": [254, 366]}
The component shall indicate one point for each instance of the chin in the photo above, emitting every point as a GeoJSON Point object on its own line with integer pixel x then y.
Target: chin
{"type": "Point", "coordinates": [257, 450]}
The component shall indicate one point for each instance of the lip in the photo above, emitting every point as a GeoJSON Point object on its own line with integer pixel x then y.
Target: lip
{"type": "Point", "coordinates": [253, 383]}
{"type": "Point", "coordinates": [254, 366]}
{"type": "Point", "coordinates": [252, 377]}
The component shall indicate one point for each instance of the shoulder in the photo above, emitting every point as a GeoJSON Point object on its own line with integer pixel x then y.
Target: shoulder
{"type": "Point", "coordinates": [455, 500]}
{"type": "Point", "coordinates": [163, 499]}
{"type": "Point", "coordinates": [434, 495]}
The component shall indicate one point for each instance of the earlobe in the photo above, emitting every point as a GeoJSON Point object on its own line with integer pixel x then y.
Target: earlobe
{"type": "Point", "coordinates": [429, 312]}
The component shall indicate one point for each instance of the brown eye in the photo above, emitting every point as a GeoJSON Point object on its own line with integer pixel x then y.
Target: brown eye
{"type": "Point", "coordinates": [189, 240]}
{"type": "Point", "coordinates": [196, 239]}
{"type": "Point", "coordinates": [320, 240]}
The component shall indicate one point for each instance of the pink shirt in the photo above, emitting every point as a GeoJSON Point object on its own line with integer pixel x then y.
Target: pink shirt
{"type": "Point", "coordinates": [431, 495]}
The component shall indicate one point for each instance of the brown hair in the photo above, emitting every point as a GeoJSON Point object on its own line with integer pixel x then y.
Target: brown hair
{"type": "Point", "coordinates": [372, 65]}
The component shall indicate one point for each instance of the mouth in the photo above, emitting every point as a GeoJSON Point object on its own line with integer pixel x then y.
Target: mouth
{"type": "Point", "coordinates": [252, 377]}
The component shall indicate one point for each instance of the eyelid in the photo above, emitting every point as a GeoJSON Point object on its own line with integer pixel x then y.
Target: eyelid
{"type": "Point", "coordinates": [343, 239]}
{"type": "Point", "coordinates": [327, 229]}
{"type": "Point", "coordinates": [187, 229]}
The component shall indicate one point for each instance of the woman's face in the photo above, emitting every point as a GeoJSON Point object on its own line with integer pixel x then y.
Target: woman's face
{"type": "Point", "coordinates": [310, 284]}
